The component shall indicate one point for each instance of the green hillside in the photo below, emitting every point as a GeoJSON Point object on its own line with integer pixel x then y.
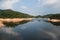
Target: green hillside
{"type": "Point", "coordinates": [53, 16]}
{"type": "Point", "coordinates": [13, 14]}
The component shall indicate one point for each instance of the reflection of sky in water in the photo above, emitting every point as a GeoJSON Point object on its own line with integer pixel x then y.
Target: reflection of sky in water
{"type": "Point", "coordinates": [36, 30]}
{"type": "Point", "coordinates": [9, 34]}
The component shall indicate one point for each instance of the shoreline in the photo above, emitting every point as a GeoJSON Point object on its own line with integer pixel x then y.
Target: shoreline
{"type": "Point", "coordinates": [54, 20]}
{"type": "Point", "coordinates": [14, 20]}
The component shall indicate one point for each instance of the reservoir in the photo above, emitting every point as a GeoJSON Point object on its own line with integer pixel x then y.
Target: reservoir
{"type": "Point", "coordinates": [36, 29]}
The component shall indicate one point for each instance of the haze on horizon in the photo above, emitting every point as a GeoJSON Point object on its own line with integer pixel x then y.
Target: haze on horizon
{"type": "Point", "coordinates": [32, 7]}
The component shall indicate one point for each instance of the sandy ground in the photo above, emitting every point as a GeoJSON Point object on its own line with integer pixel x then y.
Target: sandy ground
{"type": "Point", "coordinates": [12, 20]}
{"type": "Point", "coordinates": [54, 20]}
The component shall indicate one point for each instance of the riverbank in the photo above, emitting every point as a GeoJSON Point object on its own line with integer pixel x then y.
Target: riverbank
{"type": "Point", "coordinates": [54, 20]}
{"type": "Point", "coordinates": [13, 20]}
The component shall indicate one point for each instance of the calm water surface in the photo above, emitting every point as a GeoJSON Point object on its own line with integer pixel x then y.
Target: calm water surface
{"type": "Point", "coordinates": [33, 30]}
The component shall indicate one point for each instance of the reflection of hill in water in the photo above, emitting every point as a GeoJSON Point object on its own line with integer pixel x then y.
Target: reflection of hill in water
{"type": "Point", "coordinates": [31, 31]}
{"type": "Point", "coordinates": [54, 23]}
{"type": "Point", "coordinates": [12, 24]}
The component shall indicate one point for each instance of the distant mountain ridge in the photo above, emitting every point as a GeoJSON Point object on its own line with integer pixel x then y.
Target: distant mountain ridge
{"type": "Point", "coordinates": [53, 16]}
{"type": "Point", "coordinates": [13, 14]}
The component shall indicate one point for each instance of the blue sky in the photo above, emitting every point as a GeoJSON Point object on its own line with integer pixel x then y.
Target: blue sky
{"type": "Point", "coordinates": [32, 7]}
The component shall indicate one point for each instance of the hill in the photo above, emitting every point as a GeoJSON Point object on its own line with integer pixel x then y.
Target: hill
{"type": "Point", "coordinates": [39, 16]}
{"type": "Point", "coordinates": [53, 16]}
{"type": "Point", "coordinates": [13, 14]}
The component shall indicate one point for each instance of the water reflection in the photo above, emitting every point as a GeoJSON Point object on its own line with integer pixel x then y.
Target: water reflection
{"type": "Point", "coordinates": [12, 24]}
{"type": "Point", "coordinates": [39, 31]}
{"type": "Point", "coordinates": [9, 34]}
{"type": "Point", "coordinates": [33, 30]}
{"type": "Point", "coordinates": [55, 23]}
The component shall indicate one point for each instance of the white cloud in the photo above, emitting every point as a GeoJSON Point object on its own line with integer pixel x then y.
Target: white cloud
{"type": "Point", "coordinates": [24, 7]}
{"type": "Point", "coordinates": [47, 2]}
{"type": "Point", "coordinates": [51, 1]}
{"type": "Point", "coordinates": [49, 6]}
{"type": "Point", "coordinates": [8, 4]}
